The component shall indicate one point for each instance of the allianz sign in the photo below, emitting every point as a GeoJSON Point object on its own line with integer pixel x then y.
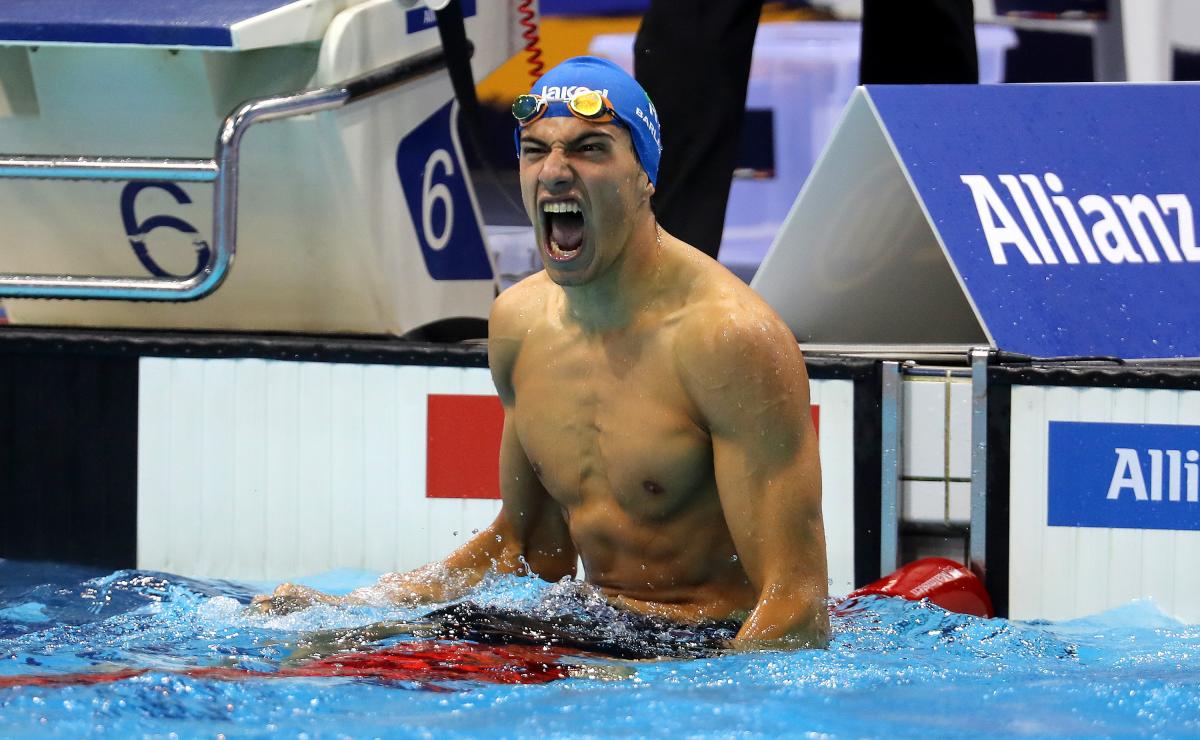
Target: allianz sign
{"type": "Point", "coordinates": [1041, 225]}
{"type": "Point", "coordinates": [1141, 476]}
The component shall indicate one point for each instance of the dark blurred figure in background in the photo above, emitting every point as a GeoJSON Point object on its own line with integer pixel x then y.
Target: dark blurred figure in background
{"type": "Point", "coordinates": [918, 42]}
{"type": "Point", "coordinates": [693, 58]}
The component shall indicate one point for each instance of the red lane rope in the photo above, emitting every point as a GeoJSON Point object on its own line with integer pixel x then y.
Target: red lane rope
{"type": "Point", "coordinates": [533, 49]}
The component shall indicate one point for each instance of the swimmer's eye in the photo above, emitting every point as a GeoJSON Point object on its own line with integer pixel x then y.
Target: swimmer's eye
{"type": "Point", "coordinates": [532, 149]}
{"type": "Point", "coordinates": [592, 145]}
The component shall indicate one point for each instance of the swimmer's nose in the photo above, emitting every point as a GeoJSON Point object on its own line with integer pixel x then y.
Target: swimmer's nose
{"type": "Point", "coordinates": [556, 174]}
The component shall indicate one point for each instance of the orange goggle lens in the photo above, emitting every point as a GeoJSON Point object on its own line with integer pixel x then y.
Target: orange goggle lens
{"type": "Point", "coordinates": [589, 105]}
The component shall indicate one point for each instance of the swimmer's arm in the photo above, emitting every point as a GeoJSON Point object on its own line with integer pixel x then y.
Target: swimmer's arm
{"type": "Point", "coordinates": [747, 377]}
{"type": "Point", "coordinates": [529, 533]}
{"type": "Point", "coordinates": [497, 548]}
{"type": "Point", "coordinates": [529, 536]}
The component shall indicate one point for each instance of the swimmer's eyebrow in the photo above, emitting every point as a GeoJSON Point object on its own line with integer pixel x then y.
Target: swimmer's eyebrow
{"type": "Point", "coordinates": [573, 143]}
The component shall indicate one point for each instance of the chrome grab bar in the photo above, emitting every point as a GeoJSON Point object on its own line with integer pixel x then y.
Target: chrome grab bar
{"type": "Point", "coordinates": [222, 171]}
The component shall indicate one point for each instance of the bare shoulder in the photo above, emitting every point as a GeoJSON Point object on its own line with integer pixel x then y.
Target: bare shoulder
{"type": "Point", "coordinates": [514, 313]}
{"type": "Point", "coordinates": [729, 332]}
{"type": "Point", "coordinates": [740, 364]}
{"type": "Point", "coordinates": [515, 308]}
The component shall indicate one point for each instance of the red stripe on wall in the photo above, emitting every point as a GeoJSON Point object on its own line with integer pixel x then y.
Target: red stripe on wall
{"type": "Point", "coordinates": [462, 450]}
{"type": "Point", "coordinates": [463, 446]}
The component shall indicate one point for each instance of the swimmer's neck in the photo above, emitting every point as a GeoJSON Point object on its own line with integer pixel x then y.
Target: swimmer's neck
{"type": "Point", "coordinates": [614, 298]}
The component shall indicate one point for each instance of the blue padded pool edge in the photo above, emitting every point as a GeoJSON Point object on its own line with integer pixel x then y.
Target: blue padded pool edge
{"type": "Point", "coordinates": [145, 22]}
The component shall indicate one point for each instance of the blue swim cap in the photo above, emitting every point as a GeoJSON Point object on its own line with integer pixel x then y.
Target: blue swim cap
{"type": "Point", "coordinates": [632, 105]}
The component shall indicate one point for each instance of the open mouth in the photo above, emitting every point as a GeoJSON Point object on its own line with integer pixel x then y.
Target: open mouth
{"type": "Point", "coordinates": [564, 229]}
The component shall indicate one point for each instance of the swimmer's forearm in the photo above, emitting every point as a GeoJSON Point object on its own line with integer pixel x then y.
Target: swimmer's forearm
{"type": "Point", "coordinates": [785, 622]}
{"type": "Point", "coordinates": [447, 580]}
{"type": "Point", "coordinates": [430, 584]}
{"type": "Point", "coordinates": [427, 585]}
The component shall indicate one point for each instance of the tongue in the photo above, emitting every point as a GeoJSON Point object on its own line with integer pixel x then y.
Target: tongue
{"type": "Point", "coordinates": [566, 229]}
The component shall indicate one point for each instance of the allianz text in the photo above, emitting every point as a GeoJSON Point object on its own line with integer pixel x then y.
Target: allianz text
{"type": "Point", "coordinates": [1169, 477]}
{"type": "Point", "coordinates": [1084, 230]}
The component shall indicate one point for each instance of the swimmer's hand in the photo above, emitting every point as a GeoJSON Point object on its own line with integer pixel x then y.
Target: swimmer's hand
{"type": "Point", "coordinates": [291, 597]}
{"type": "Point", "coordinates": [429, 584]}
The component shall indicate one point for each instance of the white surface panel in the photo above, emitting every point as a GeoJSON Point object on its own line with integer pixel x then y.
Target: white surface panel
{"type": "Point", "coordinates": [836, 443]}
{"type": "Point", "coordinates": [260, 469]}
{"type": "Point", "coordinates": [1067, 572]}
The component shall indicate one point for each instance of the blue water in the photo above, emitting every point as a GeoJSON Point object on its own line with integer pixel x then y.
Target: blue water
{"type": "Point", "coordinates": [894, 669]}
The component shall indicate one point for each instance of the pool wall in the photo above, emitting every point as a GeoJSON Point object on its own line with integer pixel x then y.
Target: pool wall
{"type": "Point", "coordinates": [1093, 497]}
{"type": "Point", "coordinates": [276, 456]}
{"type": "Point", "coordinates": [259, 457]}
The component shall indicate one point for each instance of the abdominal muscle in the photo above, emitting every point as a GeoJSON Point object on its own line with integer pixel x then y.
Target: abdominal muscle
{"type": "Point", "coordinates": [685, 570]}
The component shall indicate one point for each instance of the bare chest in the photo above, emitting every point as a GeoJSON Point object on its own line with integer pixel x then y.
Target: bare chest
{"type": "Point", "coordinates": [610, 425]}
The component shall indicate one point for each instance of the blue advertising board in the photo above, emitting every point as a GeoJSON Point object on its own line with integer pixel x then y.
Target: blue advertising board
{"type": "Point", "coordinates": [1066, 210]}
{"type": "Point", "coordinates": [1129, 476]}
{"type": "Point", "coordinates": [420, 19]}
{"type": "Point", "coordinates": [433, 178]}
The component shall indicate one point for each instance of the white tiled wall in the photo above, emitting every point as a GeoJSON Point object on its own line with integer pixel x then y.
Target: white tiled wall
{"type": "Point", "coordinates": [262, 469]}
{"type": "Point", "coordinates": [1065, 572]}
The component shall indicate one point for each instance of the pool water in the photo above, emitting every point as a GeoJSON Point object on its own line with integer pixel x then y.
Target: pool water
{"type": "Point", "coordinates": [894, 669]}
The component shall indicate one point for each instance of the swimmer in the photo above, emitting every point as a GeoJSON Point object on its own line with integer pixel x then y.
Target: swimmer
{"type": "Point", "coordinates": [657, 421]}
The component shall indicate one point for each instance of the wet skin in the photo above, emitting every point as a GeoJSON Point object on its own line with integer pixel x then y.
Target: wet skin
{"type": "Point", "coordinates": [657, 421]}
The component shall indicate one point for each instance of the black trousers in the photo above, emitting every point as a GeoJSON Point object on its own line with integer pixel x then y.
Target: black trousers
{"type": "Point", "coordinates": [693, 58]}
{"type": "Point", "coordinates": [918, 42]}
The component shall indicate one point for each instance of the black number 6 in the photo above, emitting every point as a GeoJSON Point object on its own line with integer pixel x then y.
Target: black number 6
{"type": "Point", "coordinates": [138, 231]}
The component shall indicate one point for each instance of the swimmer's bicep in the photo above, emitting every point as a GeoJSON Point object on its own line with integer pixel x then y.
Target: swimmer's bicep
{"type": "Point", "coordinates": [756, 407]}
{"type": "Point", "coordinates": [773, 509]}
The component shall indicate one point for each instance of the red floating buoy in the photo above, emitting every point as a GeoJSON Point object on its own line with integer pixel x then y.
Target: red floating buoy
{"type": "Point", "coordinates": [941, 580]}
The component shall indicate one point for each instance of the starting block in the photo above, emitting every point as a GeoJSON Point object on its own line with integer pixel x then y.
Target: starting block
{"type": "Point", "coordinates": [350, 211]}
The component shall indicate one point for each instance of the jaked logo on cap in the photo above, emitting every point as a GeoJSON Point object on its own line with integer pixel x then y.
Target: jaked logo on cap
{"type": "Point", "coordinates": [563, 94]}
{"type": "Point", "coordinates": [1139, 476]}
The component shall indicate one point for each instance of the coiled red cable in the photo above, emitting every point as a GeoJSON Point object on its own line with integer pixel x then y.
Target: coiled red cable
{"type": "Point", "coordinates": [533, 51]}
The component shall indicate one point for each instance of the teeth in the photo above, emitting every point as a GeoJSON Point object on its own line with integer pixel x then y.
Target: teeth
{"type": "Point", "coordinates": [563, 207]}
{"type": "Point", "coordinates": [558, 251]}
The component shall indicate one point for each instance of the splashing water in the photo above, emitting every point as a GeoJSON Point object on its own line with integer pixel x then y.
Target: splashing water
{"type": "Point", "coordinates": [894, 668]}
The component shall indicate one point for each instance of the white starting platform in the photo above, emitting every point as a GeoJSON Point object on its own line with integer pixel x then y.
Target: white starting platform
{"type": "Point", "coordinates": [134, 166]}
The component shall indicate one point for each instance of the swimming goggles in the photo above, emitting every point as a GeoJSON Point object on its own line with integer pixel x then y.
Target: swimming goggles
{"type": "Point", "coordinates": [589, 105]}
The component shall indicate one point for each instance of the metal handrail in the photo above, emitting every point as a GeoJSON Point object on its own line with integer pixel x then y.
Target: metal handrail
{"type": "Point", "coordinates": [222, 171]}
